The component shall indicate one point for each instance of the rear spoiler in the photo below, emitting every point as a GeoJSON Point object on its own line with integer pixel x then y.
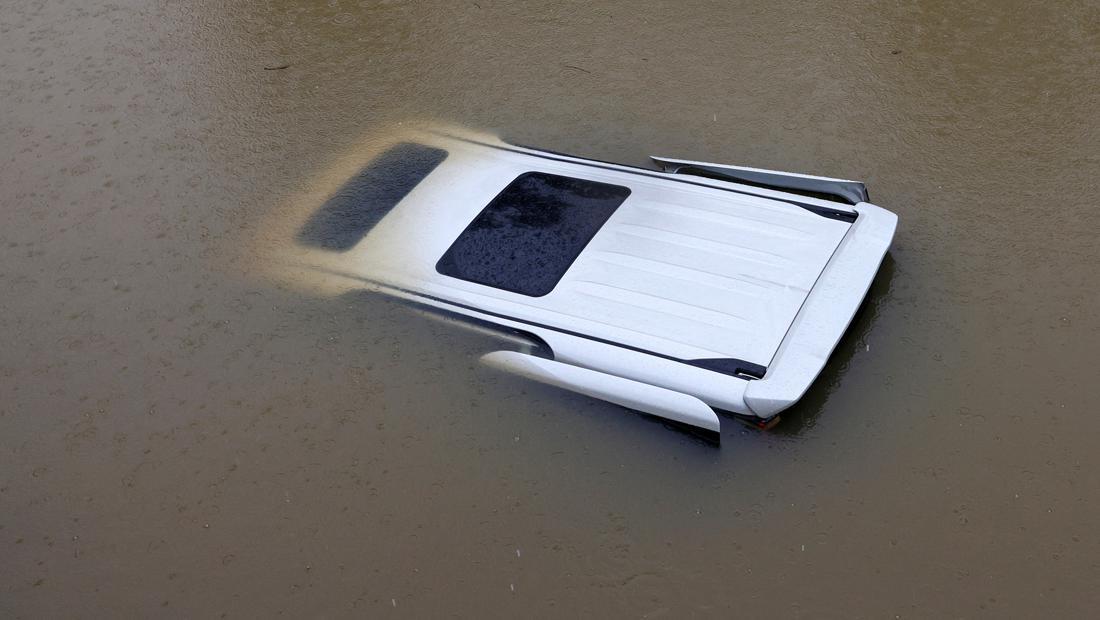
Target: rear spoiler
{"type": "Point", "coordinates": [836, 190]}
{"type": "Point", "coordinates": [643, 397]}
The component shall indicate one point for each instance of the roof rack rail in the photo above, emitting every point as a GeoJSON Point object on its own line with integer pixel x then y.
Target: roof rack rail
{"type": "Point", "coordinates": [835, 190]}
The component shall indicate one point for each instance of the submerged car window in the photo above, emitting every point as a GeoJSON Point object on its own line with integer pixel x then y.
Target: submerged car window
{"type": "Point", "coordinates": [530, 234]}
{"type": "Point", "coordinates": [366, 198]}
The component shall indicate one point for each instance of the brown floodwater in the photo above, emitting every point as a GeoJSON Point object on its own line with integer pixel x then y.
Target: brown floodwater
{"type": "Point", "coordinates": [188, 429]}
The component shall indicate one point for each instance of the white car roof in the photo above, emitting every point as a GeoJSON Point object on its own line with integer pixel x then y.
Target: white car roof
{"type": "Point", "coordinates": [689, 270]}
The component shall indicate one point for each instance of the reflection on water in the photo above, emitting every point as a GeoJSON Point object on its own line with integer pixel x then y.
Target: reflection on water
{"type": "Point", "coordinates": [185, 433]}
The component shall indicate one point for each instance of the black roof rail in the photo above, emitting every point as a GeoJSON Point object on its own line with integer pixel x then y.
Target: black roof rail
{"type": "Point", "coordinates": [835, 190]}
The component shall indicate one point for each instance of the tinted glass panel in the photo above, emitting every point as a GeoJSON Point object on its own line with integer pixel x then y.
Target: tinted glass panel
{"type": "Point", "coordinates": [531, 233]}
{"type": "Point", "coordinates": [366, 198]}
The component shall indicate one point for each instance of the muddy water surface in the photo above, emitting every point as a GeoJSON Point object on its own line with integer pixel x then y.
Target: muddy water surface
{"type": "Point", "coordinates": [184, 432]}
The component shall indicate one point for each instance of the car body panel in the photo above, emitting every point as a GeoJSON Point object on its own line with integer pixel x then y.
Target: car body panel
{"type": "Point", "coordinates": [644, 397]}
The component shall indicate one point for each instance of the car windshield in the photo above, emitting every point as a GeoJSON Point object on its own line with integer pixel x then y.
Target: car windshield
{"type": "Point", "coordinates": [349, 214]}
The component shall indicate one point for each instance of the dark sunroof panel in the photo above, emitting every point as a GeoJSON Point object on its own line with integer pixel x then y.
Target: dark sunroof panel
{"type": "Point", "coordinates": [367, 197]}
{"type": "Point", "coordinates": [530, 234]}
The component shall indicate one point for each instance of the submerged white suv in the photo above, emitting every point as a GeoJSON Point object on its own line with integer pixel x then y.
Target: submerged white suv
{"type": "Point", "coordinates": [676, 292]}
